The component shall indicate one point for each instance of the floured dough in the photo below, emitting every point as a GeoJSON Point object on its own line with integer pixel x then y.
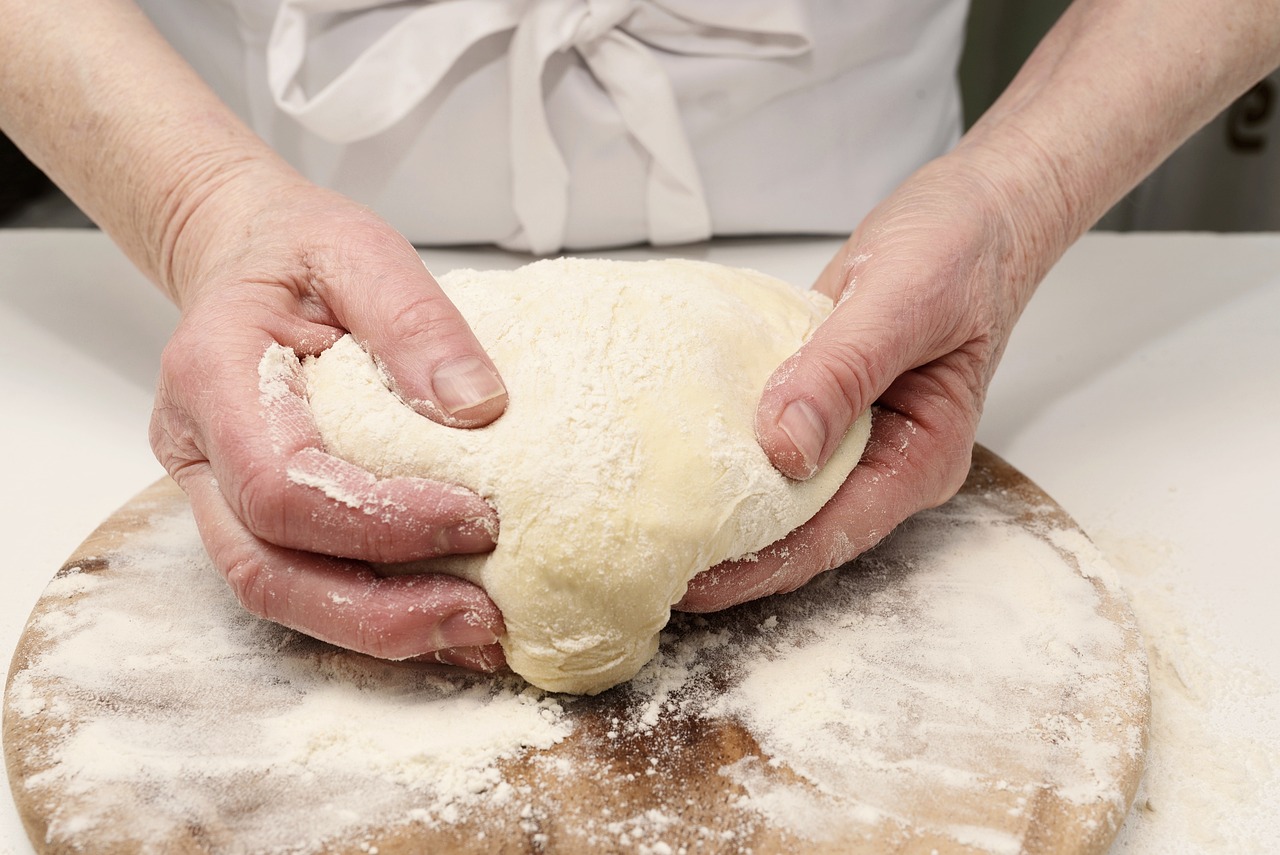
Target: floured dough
{"type": "Point", "coordinates": [626, 461]}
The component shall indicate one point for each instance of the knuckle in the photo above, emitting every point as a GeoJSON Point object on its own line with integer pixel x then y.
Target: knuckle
{"type": "Point", "coordinates": [429, 317]}
{"type": "Point", "coordinates": [249, 580]}
{"type": "Point", "coordinates": [957, 456]}
{"type": "Point", "coordinates": [374, 542]}
{"type": "Point", "coordinates": [172, 436]}
{"type": "Point", "coordinates": [790, 578]}
{"type": "Point", "coordinates": [172, 431]}
{"type": "Point", "coordinates": [947, 469]}
{"type": "Point", "coordinates": [375, 640]}
{"type": "Point", "coordinates": [385, 636]}
{"type": "Point", "coordinates": [261, 503]}
{"type": "Point", "coordinates": [173, 444]}
{"type": "Point", "coordinates": [950, 456]}
{"type": "Point", "coordinates": [845, 379]}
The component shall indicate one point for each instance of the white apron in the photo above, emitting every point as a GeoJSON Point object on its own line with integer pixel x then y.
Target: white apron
{"type": "Point", "coordinates": [551, 124]}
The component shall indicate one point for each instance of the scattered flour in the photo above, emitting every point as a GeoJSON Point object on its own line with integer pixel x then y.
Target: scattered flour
{"type": "Point", "coordinates": [971, 660]}
{"type": "Point", "coordinates": [181, 706]}
{"type": "Point", "coordinates": [963, 662]}
{"type": "Point", "coordinates": [1213, 769]}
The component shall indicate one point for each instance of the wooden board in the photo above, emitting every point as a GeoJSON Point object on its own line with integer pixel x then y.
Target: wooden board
{"type": "Point", "coordinates": [975, 684]}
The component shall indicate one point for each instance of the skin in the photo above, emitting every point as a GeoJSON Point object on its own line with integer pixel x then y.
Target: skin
{"type": "Point", "coordinates": [931, 283]}
{"type": "Point", "coordinates": [928, 288]}
{"type": "Point", "coordinates": [255, 255]}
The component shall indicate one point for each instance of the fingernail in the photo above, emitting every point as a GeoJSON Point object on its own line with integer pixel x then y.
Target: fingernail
{"type": "Point", "coordinates": [466, 383]}
{"type": "Point", "coordinates": [465, 629]}
{"type": "Point", "coordinates": [466, 537]}
{"type": "Point", "coordinates": [484, 659]}
{"type": "Point", "coordinates": [803, 426]}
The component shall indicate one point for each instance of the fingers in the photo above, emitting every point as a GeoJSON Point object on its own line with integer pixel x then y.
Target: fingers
{"type": "Point", "coordinates": [417, 336]}
{"type": "Point", "coordinates": [344, 602]}
{"type": "Point", "coordinates": [811, 399]}
{"type": "Point", "coordinates": [912, 285]}
{"type": "Point", "coordinates": [287, 523]}
{"type": "Point", "coordinates": [917, 456]}
{"type": "Point", "coordinates": [245, 413]}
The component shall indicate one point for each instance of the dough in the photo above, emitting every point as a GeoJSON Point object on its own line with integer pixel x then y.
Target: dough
{"type": "Point", "coordinates": [626, 461]}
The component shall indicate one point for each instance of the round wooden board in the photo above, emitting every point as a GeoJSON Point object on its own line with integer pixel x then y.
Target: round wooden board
{"type": "Point", "coordinates": [975, 684]}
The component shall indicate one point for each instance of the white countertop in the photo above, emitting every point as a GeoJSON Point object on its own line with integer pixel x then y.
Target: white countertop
{"type": "Point", "coordinates": [1141, 390]}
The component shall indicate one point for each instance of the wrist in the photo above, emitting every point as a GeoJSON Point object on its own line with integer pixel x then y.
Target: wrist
{"type": "Point", "coordinates": [212, 215]}
{"type": "Point", "coordinates": [97, 99]}
{"type": "Point", "coordinates": [1023, 207]}
{"type": "Point", "coordinates": [1047, 184]}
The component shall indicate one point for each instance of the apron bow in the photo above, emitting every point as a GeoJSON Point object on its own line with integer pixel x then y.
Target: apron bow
{"type": "Point", "coordinates": [616, 39]}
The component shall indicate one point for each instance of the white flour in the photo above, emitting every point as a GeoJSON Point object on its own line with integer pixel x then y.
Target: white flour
{"type": "Point", "coordinates": [952, 663]}
{"type": "Point", "coordinates": [954, 675]}
{"type": "Point", "coordinates": [205, 698]}
{"type": "Point", "coordinates": [1213, 769]}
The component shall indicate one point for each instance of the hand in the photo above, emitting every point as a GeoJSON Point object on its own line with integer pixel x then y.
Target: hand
{"type": "Point", "coordinates": [277, 261]}
{"type": "Point", "coordinates": [927, 291]}
{"type": "Point", "coordinates": [932, 281]}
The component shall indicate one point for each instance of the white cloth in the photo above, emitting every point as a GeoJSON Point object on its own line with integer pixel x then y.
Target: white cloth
{"type": "Point", "coordinates": [546, 124]}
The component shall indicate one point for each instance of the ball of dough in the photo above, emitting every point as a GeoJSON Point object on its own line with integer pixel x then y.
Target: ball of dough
{"type": "Point", "coordinates": [626, 461]}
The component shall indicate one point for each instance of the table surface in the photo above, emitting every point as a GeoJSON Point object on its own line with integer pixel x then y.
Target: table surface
{"type": "Point", "coordinates": [1141, 390]}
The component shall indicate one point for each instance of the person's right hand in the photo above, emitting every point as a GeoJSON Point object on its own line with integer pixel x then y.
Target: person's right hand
{"type": "Point", "coordinates": [268, 268]}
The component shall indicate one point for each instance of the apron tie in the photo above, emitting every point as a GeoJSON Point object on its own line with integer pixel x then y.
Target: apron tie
{"type": "Point", "coordinates": [614, 38]}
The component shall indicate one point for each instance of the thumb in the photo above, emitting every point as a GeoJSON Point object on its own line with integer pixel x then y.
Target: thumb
{"type": "Point", "coordinates": [421, 341]}
{"type": "Point", "coordinates": [815, 395]}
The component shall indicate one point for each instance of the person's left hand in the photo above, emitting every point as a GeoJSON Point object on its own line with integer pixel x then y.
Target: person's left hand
{"type": "Point", "coordinates": [927, 292]}
{"type": "Point", "coordinates": [270, 268]}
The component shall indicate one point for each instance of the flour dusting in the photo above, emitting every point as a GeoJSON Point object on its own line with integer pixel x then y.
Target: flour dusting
{"type": "Point", "coordinates": [963, 663]}
{"type": "Point", "coordinates": [204, 705]}
{"type": "Point", "coordinates": [970, 661]}
{"type": "Point", "coordinates": [626, 460]}
{"type": "Point", "coordinates": [1213, 776]}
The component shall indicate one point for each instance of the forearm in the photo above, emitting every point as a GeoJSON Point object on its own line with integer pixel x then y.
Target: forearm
{"type": "Point", "coordinates": [97, 99]}
{"type": "Point", "coordinates": [1112, 90]}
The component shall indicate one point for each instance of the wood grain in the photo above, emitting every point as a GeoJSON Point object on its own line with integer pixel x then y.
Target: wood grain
{"type": "Point", "coordinates": [576, 794]}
